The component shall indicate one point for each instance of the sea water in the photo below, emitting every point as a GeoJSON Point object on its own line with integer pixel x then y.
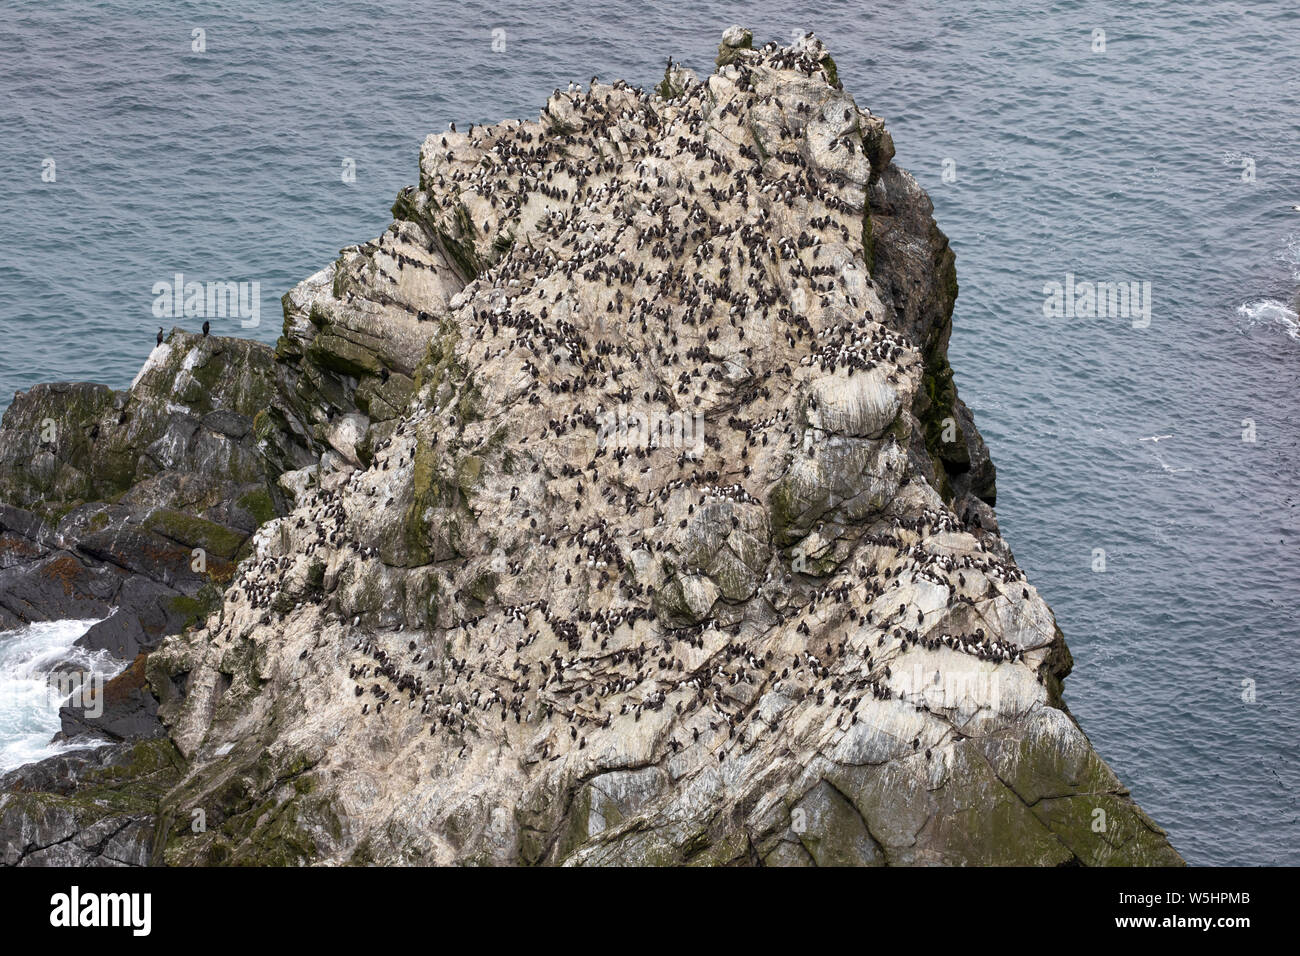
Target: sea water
{"type": "Point", "coordinates": [1146, 142]}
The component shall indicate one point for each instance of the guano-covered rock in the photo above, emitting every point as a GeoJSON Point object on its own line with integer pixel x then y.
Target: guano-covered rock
{"type": "Point", "coordinates": [615, 506]}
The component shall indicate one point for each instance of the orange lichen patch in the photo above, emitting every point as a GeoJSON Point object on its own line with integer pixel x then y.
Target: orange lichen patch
{"type": "Point", "coordinates": [66, 570]}
{"type": "Point", "coordinates": [168, 555]}
{"type": "Point", "coordinates": [21, 547]}
{"type": "Point", "coordinates": [221, 572]}
{"type": "Point", "coordinates": [131, 679]}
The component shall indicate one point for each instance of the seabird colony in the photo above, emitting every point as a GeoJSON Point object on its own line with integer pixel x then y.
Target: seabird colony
{"type": "Point", "coordinates": [700, 255]}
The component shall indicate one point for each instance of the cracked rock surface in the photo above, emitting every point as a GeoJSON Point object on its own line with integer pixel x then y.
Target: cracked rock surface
{"type": "Point", "coordinates": [626, 513]}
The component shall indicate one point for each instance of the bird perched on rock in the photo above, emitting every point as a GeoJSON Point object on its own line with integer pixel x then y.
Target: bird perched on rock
{"type": "Point", "coordinates": [206, 328]}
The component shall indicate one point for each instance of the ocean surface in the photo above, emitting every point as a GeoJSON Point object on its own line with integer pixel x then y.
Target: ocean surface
{"type": "Point", "coordinates": [1164, 151]}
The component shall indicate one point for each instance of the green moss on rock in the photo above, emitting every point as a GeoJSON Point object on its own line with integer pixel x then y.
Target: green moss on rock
{"type": "Point", "coordinates": [195, 532]}
{"type": "Point", "coordinates": [258, 503]}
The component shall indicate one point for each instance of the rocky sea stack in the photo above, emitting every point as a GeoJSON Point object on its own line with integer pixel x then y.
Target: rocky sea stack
{"type": "Point", "coordinates": [615, 506]}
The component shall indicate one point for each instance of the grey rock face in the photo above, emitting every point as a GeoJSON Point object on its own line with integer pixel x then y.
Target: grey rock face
{"type": "Point", "coordinates": [626, 513]}
{"type": "Point", "coordinates": [86, 807]}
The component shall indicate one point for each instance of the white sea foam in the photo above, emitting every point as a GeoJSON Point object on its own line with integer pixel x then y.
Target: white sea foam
{"type": "Point", "coordinates": [31, 693]}
{"type": "Point", "coordinates": [1269, 313]}
{"type": "Point", "coordinates": [1291, 255]}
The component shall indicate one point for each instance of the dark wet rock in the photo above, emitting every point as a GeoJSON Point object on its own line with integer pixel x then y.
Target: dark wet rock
{"type": "Point", "coordinates": [133, 506]}
{"type": "Point", "coordinates": [129, 710]}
